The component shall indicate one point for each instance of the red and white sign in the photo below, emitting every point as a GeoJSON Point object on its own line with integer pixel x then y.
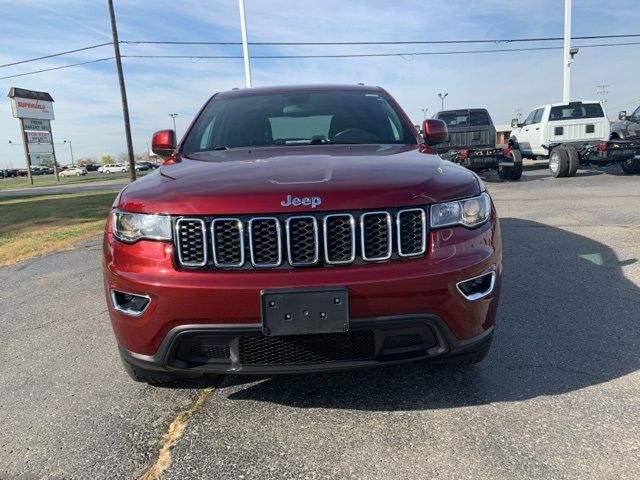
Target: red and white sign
{"type": "Point", "coordinates": [28, 108]}
{"type": "Point", "coordinates": [38, 137]}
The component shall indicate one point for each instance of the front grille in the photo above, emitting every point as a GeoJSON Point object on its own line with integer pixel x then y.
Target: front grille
{"type": "Point", "coordinates": [305, 349]}
{"type": "Point", "coordinates": [301, 240]}
{"type": "Point", "coordinates": [191, 239]}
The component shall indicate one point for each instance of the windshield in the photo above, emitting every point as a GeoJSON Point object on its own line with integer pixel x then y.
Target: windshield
{"type": "Point", "coordinates": [473, 118]}
{"type": "Point", "coordinates": [297, 118]}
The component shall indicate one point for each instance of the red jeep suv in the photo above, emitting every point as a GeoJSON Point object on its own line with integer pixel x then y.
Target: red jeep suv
{"type": "Point", "coordinates": [299, 229]}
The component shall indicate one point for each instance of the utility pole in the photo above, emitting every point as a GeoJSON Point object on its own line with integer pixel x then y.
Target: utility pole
{"type": "Point", "coordinates": [123, 92]}
{"type": "Point", "coordinates": [567, 56]}
{"type": "Point", "coordinates": [245, 45]}
{"type": "Point", "coordinates": [602, 91]}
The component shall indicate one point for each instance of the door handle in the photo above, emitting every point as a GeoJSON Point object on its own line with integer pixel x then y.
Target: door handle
{"type": "Point", "coordinates": [537, 128]}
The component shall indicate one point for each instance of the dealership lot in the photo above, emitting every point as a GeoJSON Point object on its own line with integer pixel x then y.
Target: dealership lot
{"type": "Point", "coordinates": [558, 397]}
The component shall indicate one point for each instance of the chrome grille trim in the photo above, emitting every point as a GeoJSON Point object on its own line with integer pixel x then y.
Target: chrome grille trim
{"type": "Point", "coordinates": [325, 235]}
{"type": "Point", "coordinates": [252, 243]}
{"type": "Point", "coordinates": [363, 233]}
{"type": "Point", "coordinates": [312, 239]}
{"type": "Point", "coordinates": [203, 229]}
{"type": "Point", "coordinates": [316, 256]}
{"type": "Point", "coordinates": [216, 262]}
{"type": "Point", "coordinates": [423, 246]}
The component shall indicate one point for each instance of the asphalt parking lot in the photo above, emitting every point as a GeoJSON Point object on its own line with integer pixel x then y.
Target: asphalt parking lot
{"type": "Point", "coordinates": [558, 396]}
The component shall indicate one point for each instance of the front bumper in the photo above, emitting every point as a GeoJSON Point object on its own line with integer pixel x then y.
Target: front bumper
{"type": "Point", "coordinates": [243, 349]}
{"type": "Point", "coordinates": [226, 304]}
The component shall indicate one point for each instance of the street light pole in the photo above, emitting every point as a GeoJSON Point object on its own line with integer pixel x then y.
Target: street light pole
{"type": "Point", "coordinates": [173, 117]}
{"type": "Point", "coordinates": [568, 58]}
{"type": "Point", "coordinates": [424, 113]}
{"type": "Point", "coordinates": [70, 148]}
{"type": "Point", "coordinates": [442, 97]}
{"type": "Point", "coordinates": [245, 45]}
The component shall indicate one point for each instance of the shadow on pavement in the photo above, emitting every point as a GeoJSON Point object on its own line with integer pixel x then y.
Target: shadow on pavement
{"type": "Point", "coordinates": [568, 319]}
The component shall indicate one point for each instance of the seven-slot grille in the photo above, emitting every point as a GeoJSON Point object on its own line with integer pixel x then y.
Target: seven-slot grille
{"type": "Point", "coordinates": [301, 240]}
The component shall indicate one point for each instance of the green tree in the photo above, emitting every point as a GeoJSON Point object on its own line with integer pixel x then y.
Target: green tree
{"type": "Point", "coordinates": [106, 159]}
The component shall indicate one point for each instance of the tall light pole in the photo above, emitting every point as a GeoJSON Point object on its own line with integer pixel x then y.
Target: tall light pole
{"type": "Point", "coordinates": [245, 45]}
{"type": "Point", "coordinates": [173, 117]}
{"type": "Point", "coordinates": [424, 113]}
{"type": "Point", "coordinates": [442, 97]}
{"type": "Point", "coordinates": [71, 149]}
{"type": "Point", "coordinates": [568, 58]}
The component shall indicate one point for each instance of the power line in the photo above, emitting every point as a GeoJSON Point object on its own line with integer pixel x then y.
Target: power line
{"type": "Point", "coordinates": [393, 42]}
{"type": "Point", "coordinates": [410, 42]}
{"type": "Point", "coordinates": [364, 55]}
{"type": "Point", "coordinates": [349, 55]}
{"type": "Point", "coordinates": [55, 54]}
{"type": "Point", "coordinates": [58, 68]}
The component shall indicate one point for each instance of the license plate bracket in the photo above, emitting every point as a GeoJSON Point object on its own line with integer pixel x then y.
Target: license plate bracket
{"type": "Point", "coordinates": [305, 311]}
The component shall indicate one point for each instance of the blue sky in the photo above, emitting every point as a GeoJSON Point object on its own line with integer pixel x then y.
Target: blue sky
{"type": "Point", "coordinates": [87, 101]}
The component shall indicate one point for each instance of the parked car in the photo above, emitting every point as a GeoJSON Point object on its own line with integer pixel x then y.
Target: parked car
{"type": "Point", "coordinates": [316, 230]}
{"type": "Point", "coordinates": [150, 165]}
{"type": "Point", "coordinates": [572, 134]}
{"type": "Point", "coordinates": [92, 167]}
{"type": "Point", "coordinates": [627, 127]}
{"type": "Point", "coordinates": [73, 171]}
{"type": "Point", "coordinates": [37, 170]}
{"type": "Point", "coordinates": [114, 168]}
{"type": "Point", "coordinates": [22, 172]}
{"type": "Point", "coordinates": [472, 143]}
{"type": "Point", "coordinates": [8, 173]}
{"type": "Point", "coordinates": [141, 167]}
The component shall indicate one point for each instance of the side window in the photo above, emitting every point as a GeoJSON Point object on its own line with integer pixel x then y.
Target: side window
{"type": "Point", "coordinates": [538, 115]}
{"type": "Point", "coordinates": [529, 119]}
{"type": "Point", "coordinates": [636, 114]}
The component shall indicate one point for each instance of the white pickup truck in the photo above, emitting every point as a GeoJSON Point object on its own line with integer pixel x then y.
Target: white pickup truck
{"type": "Point", "coordinates": [572, 134]}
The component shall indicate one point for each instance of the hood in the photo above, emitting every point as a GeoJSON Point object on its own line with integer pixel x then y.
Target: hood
{"type": "Point", "coordinates": [270, 179]}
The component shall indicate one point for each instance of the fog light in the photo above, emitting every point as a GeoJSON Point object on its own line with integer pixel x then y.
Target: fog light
{"type": "Point", "coordinates": [129, 303]}
{"type": "Point", "coordinates": [477, 287]}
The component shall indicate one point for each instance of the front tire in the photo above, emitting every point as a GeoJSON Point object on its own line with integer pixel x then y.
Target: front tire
{"type": "Point", "coordinates": [153, 377]}
{"type": "Point", "coordinates": [559, 162]}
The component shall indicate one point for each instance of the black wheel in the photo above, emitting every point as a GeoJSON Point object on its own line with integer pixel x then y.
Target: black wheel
{"type": "Point", "coordinates": [631, 166]}
{"type": "Point", "coordinates": [514, 172]}
{"type": "Point", "coordinates": [559, 162]}
{"type": "Point", "coordinates": [472, 357]}
{"type": "Point", "coordinates": [574, 160]}
{"type": "Point", "coordinates": [153, 377]}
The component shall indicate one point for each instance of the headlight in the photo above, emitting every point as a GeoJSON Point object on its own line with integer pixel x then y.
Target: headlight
{"type": "Point", "coordinates": [469, 213]}
{"type": "Point", "coordinates": [130, 227]}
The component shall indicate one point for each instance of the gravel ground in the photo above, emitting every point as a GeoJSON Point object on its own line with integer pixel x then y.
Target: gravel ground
{"type": "Point", "coordinates": [558, 397]}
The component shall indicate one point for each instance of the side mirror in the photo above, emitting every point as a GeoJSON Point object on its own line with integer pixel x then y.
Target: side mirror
{"type": "Point", "coordinates": [434, 131]}
{"type": "Point", "coordinates": [622, 115]}
{"type": "Point", "coordinates": [163, 143]}
{"type": "Point", "coordinates": [514, 123]}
